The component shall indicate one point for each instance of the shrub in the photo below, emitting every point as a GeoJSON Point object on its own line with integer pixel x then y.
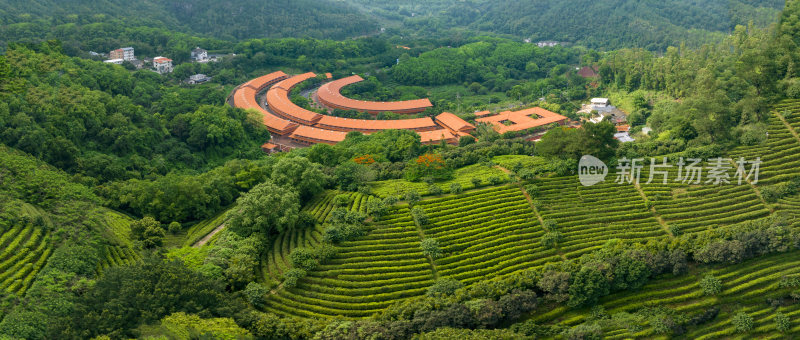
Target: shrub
{"type": "Point", "coordinates": [742, 322]}
{"type": "Point", "coordinates": [495, 180]}
{"type": "Point", "coordinates": [476, 181]}
{"type": "Point", "coordinates": [444, 287]}
{"type": "Point", "coordinates": [455, 188]}
{"type": "Point", "coordinates": [390, 200]}
{"type": "Point", "coordinates": [584, 331]}
{"type": "Point", "coordinates": [291, 276]}
{"type": "Point", "coordinates": [550, 239]}
{"type": "Point", "coordinates": [532, 190]}
{"type": "Point", "coordinates": [174, 228]}
{"type": "Point", "coordinates": [412, 197]}
{"type": "Point", "coordinates": [430, 247]}
{"type": "Point", "coordinates": [782, 322]}
{"type": "Point", "coordinates": [303, 258]}
{"type": "Point", "coordinates": [710, 285]}
{"type": "Point", "coordinates": [550, 225]}
{"type": "Point", "coordinates": [256, 294]}
{"type": "Point", "coordinates": [435, 190]}
{"type": "Point", "coordinates": [341, 200]}
{"type": "Point", "coordinates": [420, 218]}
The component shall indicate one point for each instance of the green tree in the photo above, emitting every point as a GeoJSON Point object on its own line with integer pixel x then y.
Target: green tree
{"type": "Point", "coordinates": [148, 231]}
{"type": "Point", "coordinates": [430, 247]}
{"type": "Point", "coordinates": [587, 286]}
{"type": "Point", "coordinates": [782, 322]}
{"type": "Point", "coordinates": [300, 173]}
{"type": "Point", "coordinates": [267, 209]}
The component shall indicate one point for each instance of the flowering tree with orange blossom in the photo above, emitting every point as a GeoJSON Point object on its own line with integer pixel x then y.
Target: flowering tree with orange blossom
{"type": "Point", "coordinates": [428, 165]}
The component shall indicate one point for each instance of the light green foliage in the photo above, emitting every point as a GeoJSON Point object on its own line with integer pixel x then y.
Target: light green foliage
{"type": "Point", "coordinates": [430, 247]}
{"type": "Point", "coordinates": [188, 326]}
{"type": "Point", "coordinates": [782, 322]}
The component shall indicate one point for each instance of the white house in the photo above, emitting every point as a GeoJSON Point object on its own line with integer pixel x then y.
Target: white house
{"type": "Point", "coordinates": [162, 65]}
{"type": "Point", "coordinates": [114, 61]}
{"type": "Point", "coordinates": [199, 54]}
{"type": "Point", "coordinates": [198, 78]}
{"type": "Point", "coordinates": [125, 53]}
{"type": "Point", "coordinates": [600, 102]}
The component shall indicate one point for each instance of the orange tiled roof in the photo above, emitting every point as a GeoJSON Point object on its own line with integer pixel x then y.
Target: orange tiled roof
{"type": "Point", "coordinates": [330, 95]}
{"type": "Point", "coordinates": [453, 122]}
{"type": "Point", "coordinates": [435, 136]}
{"type": "Point", "coordinates": [315, 135]}
{"type": "Point", "coordinates": [291, 82]}
{"type": "Point", "coordinates": [521, 119]}
{"type": "Point", "coordinates": [245, 98]}
{"type": "Point", "coordinates": [364, 125]}
{"type": "Point", "coordinates": [483, 113]}
{"type": "Point", "coordinates": [279, 103]}
{"type": "Point", "coordinates": [262, 82]}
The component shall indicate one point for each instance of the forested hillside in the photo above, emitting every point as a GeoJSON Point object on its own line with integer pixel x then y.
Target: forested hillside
{"type": "Point", "coordinates": [226, 20]}
{"type": "Point", "coordinates": [606, 24]}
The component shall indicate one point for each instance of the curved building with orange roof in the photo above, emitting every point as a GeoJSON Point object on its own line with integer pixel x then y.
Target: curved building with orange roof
{"type": "Point", "coordinates": [370, 126]}
{"type": "Point", "coordinates": [280, 104]}
{"type": "Point", "coordinates": [311, 135]}
{"type": "Point", "coordinates": [329, 94]}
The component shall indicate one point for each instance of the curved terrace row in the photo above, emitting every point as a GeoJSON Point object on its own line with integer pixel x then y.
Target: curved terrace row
{"type": "Point", "coordinates": [330, 95]}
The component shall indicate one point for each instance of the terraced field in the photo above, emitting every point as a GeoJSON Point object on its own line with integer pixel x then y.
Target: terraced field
{"type": "Point", "coordinates": [366, 276]}
{"type": "Point", "coordinates": [590, 216]}
{"type": "Point", "coordinates": [779, 154]}
{"type": "Point", "coordinates": [277, 261]}
{"type": "Point", "coordinates": [463, 176]}
{"type": "Point", "coordinates": [117, 256]}
{"type": "Point", "coordinates": [692, 208]}
{"type": "Point", "coordinates": [25, 249]}
{"type": "Point", "coordinates": [485, 233]}
{"type": "Point", "coordinates": [746, 287]}
{"type": "Point", "coordinates": [495, 231]}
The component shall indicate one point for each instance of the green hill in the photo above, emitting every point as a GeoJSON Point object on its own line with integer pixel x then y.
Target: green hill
{"type": "Point", "coordinates": [606, 24]}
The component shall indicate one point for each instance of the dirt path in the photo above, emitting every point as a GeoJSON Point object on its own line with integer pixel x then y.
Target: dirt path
{"type": "Point", "coordinates": [430, 259]}
{"type": "Point", "coordinates": [208, 237]}
{"type": "Point", "coordinates": [788, 126]}
{"type": "Point", "coordinates": [653, 210]}
{"type": "Point", "coordinates": [533, 207]}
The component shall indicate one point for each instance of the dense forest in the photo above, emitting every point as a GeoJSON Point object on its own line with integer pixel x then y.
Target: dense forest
{"type": "Point", "coordinates": [135, 205]}
{"type": "Point", "coordinates": [607, 24]}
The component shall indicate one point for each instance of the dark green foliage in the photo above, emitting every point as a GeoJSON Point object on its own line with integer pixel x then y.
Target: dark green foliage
{"type": "Point", "coordinates": [234, 257]}
{"type": "Point", "coordinates": [268, 209]}
{"type": "Point", "coordinates": [291, 277]}
{"type": "Point", "coordinates": [455, 188]}
{"type": "Point", "coordinates": [256, 294]}
{"type": "Point", "coordinates": [587, 285]}
{"type": "Point", "coordinates": [419, 215]}
{"type": "Point", "coordinates": [592, 139]}
{"type": "Point", "coordinates": [444, 287]}
{"type": "Point", "coordinates": [142, 293]}
{"type": "Point", "coordinates": [710, 285]}
{"type": "Point", "coordinates": [148, 231]}
{"type": "Point", "coordinates": [742, 322]}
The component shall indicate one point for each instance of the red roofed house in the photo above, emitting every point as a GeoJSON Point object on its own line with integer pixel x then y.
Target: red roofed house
{"type": "Point", "coordinates": [162, 65]}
